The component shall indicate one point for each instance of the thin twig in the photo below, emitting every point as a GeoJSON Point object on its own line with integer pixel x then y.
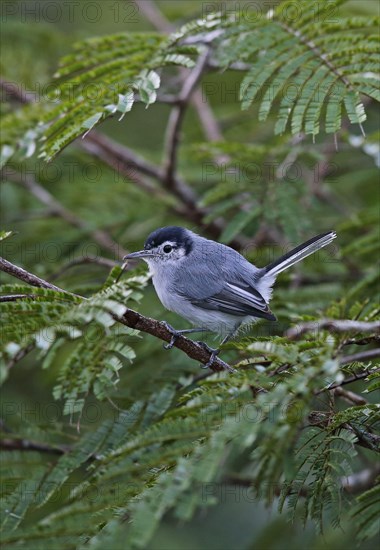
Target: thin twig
{"type": "Point", "coordinates": [15, 297]}
{"type": "Point", "coordinates": [20, 355]}
{"type": "Point", "coordinates": [209, 123]}
{"type": "Point", "coordinates": [99, 236]}
{"type": "Point", "coordinates": [98, 260]}
{"type": "Point", "coordinates": [350, 396]}
{"type": "Point", "coordinates": [27, 445]}
{"type": "Point", "coordinates": [11, 90]}
{"type": "Point", "coordinates": [360, 357]}
{"type": "Point", "coordinates": [365, 439]}
{"type": "Point", "coordinates": [123, 153]}
{"type": "Point", "coordinates": [349, 380]}
{"type": "Point", "coordinates": [361, 481]}
{"type": "Point", "coordinates": [135, 320]}
{"type": "Point", "coordinates": [362, 341]}
{"type": "Point", "coordinates": [27, 277]}
{"type": "Point", "coordinates": [332, 325]}
{"type": "Point", "coordinates": [353, 484]}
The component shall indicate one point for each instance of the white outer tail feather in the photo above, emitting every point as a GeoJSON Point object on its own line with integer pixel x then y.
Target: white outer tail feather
{"type": "Point", "coordinates": [299, 253]}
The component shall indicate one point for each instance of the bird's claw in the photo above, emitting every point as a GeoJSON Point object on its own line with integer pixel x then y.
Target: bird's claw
{"type": "Point", "coordinates": [171, 343]}
{"type": "Point", "coordinates": [175, 334]}
{"type": "Point", "coordinates": [214, 353]}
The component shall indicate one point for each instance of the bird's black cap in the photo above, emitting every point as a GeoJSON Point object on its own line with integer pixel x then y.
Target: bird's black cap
{"type": "Point", "coordinates": [177, 235]}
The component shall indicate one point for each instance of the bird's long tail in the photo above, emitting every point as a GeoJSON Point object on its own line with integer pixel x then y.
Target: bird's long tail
{"type": "Point", "coordinates": [299, 253]}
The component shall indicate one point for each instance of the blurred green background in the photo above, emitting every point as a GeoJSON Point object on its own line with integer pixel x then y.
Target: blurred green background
{"type": "Point", "coordinates": [34, 36]}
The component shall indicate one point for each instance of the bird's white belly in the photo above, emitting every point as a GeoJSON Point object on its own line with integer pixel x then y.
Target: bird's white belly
{"type": "Point", "coordinates": [212, 320]}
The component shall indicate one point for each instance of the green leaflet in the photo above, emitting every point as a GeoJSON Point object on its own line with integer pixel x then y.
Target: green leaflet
{"type": "Point", "coordinates": [366, 512]}
{"type": "Point", "coordinates": [51, 320]}
{"type": "Point", "coordinates": [285, 55]}
{"type": "Point", "coordinates": [91, 84]}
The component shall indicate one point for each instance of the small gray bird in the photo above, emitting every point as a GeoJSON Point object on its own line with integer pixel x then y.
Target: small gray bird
{"type": "Point", "coordinates": [210, 284]}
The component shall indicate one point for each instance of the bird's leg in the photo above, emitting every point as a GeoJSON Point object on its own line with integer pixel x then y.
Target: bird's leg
{"type": "Point", "coordinates": [177, 333]}
{"type": "Point", "coordinates": [215, 352]}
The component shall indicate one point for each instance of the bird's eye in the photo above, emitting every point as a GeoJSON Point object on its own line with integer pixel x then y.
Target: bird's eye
{"type": "Point", "coordinates": [167, 248]}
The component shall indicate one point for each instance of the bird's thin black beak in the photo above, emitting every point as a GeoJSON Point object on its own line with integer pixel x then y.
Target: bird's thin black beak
{"type": "Point", "coordinates": [137, 255]}
{"type": "Point", "coordinates": [133, 256]}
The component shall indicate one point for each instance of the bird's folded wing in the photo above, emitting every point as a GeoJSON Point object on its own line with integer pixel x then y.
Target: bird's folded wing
{"type": "Point", "coordinates": [237, 299]}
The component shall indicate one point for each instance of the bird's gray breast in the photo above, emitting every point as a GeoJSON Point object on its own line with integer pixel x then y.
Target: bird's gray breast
{"type": "Point", "coordinates": [163, 280]}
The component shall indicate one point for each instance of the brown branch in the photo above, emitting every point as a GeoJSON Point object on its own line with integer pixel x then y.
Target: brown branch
{"type": "Point", "coordinates": [367, 440]}
{"type": "Point", "coordinates": [362, 341]}
{"type": "Point", "coordinates": [20, 355]}
{"type": "Point", "coordinates": [130, 165]}
{"type": "Point", "coordinates": [27, 277]}
{"type": "Point", "coordinates": [361, 481]}
{"type": "Point", "coordinates": [349, 380]}
{"type": "Point", "coordinates": [176, 117]}
{"type": "Point", "coordinates": [10, 90]}
{"type": "Point", "coordinates": [208, 121]}
{"type": "Point", "coordinates": [132, 319]}
{"type": "Point", "coordinates": [98, 260]}
{"type": "Point", "coordinates": [124, 154]}
{"type": "Point", "coordinates": [193, 349]}
{"type": "Point", "coordinates": [153, 14]}
{"type": "Point", "coordinates": [350, 396]}
{"type": "Point", "coordinates": [360, 357]}
{"type": "Point", "coordinates": [206, 117]}
{"type": "Point", "coordinates": [353, 484]}
{"type": "Point", "coordinates": [127, 163]}
{"type": "Point", "coordinates": [15, 297]}
{"type": "Point", "coordinates": [332, 325]}
{"type": "Point", "coordinates": [27, 445]}
{"type": "Point", "coordinates": [158, 329]}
